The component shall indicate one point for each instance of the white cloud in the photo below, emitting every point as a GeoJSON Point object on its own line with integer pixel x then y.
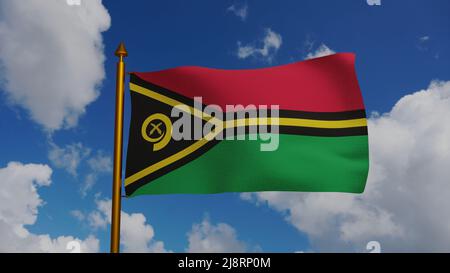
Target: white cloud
{"type": "Point", "coordinates": [51, 56]}
{"type": "Point", "coordinates": [78, 215]}
{"type": "Point", "coordinates": [68, 157]}
{"type": "Point", "coordinates": [321, 51]}
{"type": "Point", "coordinates": [19, 203]}
{"type": "Point", "coordinates": [424, 38]}
{"type": "Point", "coordinates": [72, 156]}
{"type": "Point", "coordinates": [98, 165]}
{"type": "Point", "coordinates": [206, 237]}
{"type": "Point", "coordinates": [135, 234]}
{"type": "Point", "coordinates": [405, 205]}
{"type": "Point", "coordinates": [60, 244]}
{"type": "Point", "coordinates": [240, 10]}
{"type": "Point", "coordinates": [423, 43]}
{"type": "Point", "coordinates": [88, 183]}
{"type": "Point", "coordinates": [270, 45]}
{"type": "Point", "coordinates": [97, 220]}
{"type": "Point", "coordinates": [138, 236]}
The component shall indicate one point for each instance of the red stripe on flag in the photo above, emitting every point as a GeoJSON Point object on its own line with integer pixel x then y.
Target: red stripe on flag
{"type": "Point", "coordinates": [326, 84]}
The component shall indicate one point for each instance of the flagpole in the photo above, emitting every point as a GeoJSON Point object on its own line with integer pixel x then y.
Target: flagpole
{"type": "Point", "coordinates": [121, 52]}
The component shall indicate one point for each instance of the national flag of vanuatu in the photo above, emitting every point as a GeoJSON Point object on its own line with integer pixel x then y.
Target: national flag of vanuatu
{"type": "Point", "coordinates": [321, 129]}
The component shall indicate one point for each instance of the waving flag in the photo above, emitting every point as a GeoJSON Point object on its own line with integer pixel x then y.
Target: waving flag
{"type": "Point", "coordinates": [296, 127]}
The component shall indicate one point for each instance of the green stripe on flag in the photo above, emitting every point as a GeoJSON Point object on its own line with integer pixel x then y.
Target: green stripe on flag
{"type": "Point", "coordinates": [301, 163]}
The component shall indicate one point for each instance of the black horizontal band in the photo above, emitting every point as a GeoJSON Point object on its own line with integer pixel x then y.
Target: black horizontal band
{"type": "Point", "coordinates": [355, 114]}
{"type": "Point", "coordinates": [297, 130]}
{"type": "Point", "coordinates": [323, 132]}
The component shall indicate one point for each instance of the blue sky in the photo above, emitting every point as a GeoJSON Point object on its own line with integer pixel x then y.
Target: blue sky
{"type": "Point", "coordinates": [401, 47]}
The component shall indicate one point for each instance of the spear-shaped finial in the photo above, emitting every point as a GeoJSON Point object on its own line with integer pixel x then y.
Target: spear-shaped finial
{"type": "Point", "coordinates": [121, 51]}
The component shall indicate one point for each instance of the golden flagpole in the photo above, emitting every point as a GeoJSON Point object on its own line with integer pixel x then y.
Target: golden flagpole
{"type": "Point", "coordinates": [121, 52]}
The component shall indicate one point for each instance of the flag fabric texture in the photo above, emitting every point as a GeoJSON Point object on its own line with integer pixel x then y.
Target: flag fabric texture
{"type": "Point", "coordinates": [322, 132]}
